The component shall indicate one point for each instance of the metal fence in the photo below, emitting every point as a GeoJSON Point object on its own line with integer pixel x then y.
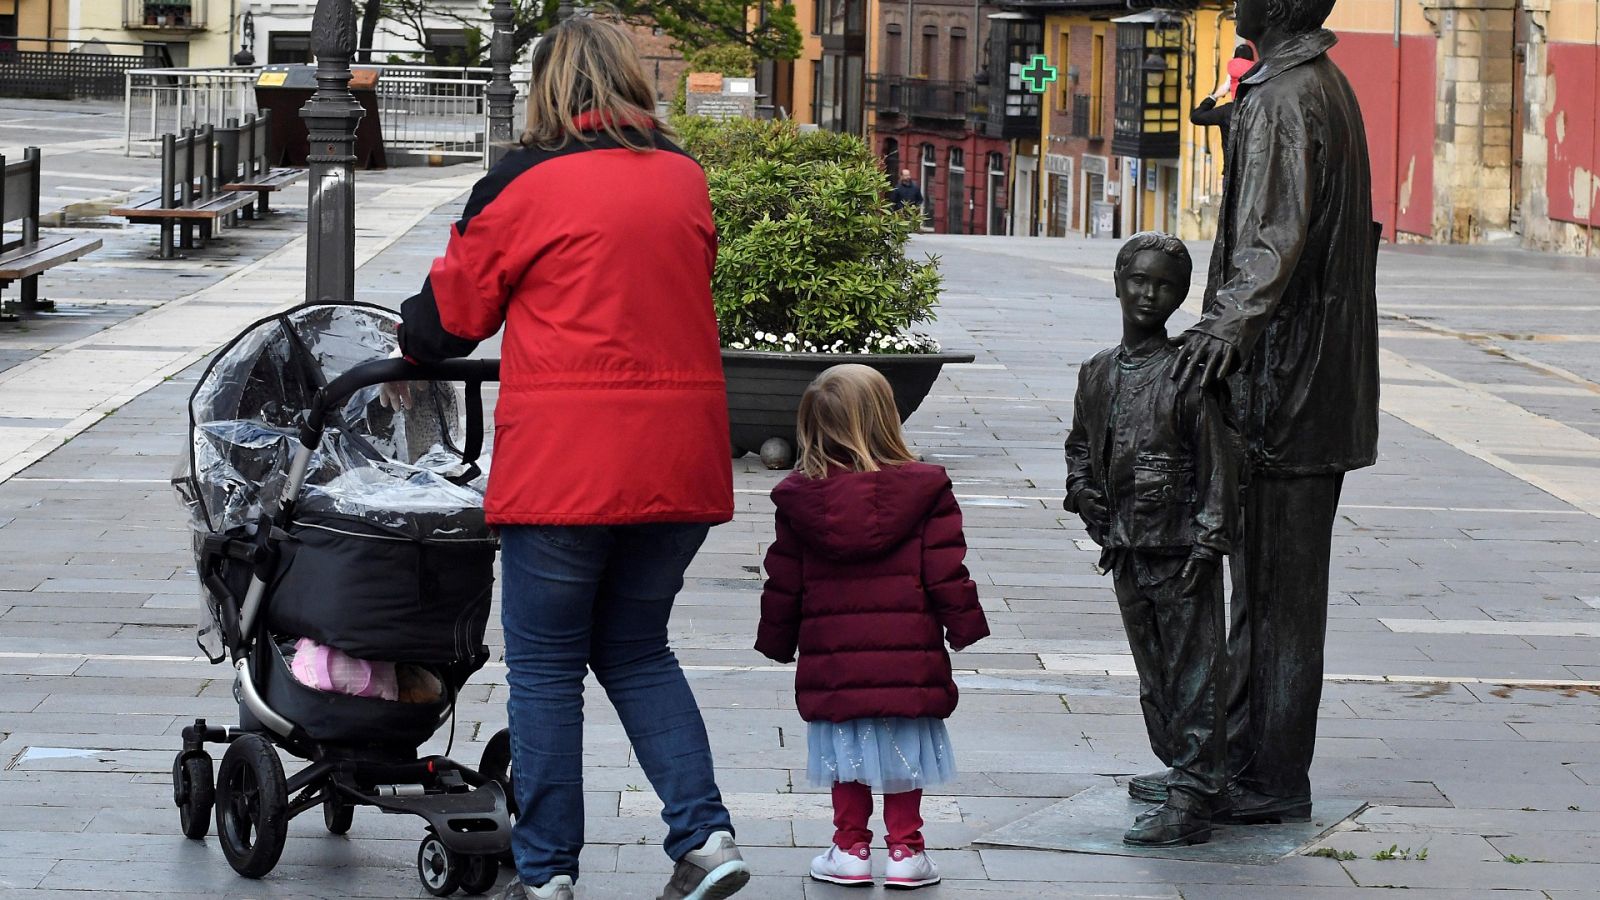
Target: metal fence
{"type": "Point", "coordinates": [67, 70]}
{"type": "Point", "coordinates": [429, 111]}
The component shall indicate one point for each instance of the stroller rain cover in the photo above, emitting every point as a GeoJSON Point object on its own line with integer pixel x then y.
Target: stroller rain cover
{"type": "Point", "coordinates": [388, 556]}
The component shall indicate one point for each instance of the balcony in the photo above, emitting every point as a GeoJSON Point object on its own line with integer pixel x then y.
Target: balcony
{"type": "Point", "coordinates": [1083, 125]}
{"type": "Point", "coordinates": [164, 15]}
{"type": "Point", "coordinates": [919, 98]}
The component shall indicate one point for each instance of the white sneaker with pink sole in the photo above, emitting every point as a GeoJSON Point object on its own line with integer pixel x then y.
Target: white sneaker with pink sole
{"type": "Point", "coordinates": [848, 867]}
{"type": "Point", "coordinates": [909, 869]}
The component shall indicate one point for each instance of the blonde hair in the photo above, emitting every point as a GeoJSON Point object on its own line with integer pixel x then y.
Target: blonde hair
{"type": "Point", "coordinates": [848, 419]}
{"type": "Point", "coordinates": [586, 65]}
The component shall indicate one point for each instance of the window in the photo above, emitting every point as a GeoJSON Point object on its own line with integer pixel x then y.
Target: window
{"type": "Point", "coordinates": [838, 80]}
{"type": "Point", "coordinates": [930, 171]}
{"type": "Point", "coordinates": [956, 214]}
{"type": "Point", "coordinates": [1063, 86]}
{"type": "Point", "coordinates": [929, 64]}
{"type": "Point", "coordinates": [840, 17]}
{"type": "Point", "coordinates": [958, 54]}
{"type": "Point", "coordinates": [997, 190]}
{"type": "Point", "coordinates": [891, 159]}
{"type": "Point", "coordinates": [1096, 83]}
{"type": "Point", "coordinates": [893, 63]}
{"type": "Point", "coordinates": [288, 47]}
{"type": "Point", "coordinates": [8, 26]}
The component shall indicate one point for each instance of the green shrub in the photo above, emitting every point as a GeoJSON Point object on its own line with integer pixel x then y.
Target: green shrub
{"type": "Point", "coordinates": [811, 255]}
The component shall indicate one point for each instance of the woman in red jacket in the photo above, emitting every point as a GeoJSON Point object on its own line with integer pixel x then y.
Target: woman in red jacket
{"type": "Point", "coordinates": [866, 580]}
{"type": "Point", "coordinates": [592, 245]}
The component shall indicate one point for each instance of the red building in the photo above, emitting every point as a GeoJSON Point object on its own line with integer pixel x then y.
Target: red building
{"type": "Point", "coordinates": [929, 102]}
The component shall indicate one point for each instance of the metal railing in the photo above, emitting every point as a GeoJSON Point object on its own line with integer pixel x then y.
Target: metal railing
{"type": "Point", "coordinates": [424, 110]}
{"type": "Point", "coordinates": [164, 15]}
{"type": "Point", "coordinates": [919, 98]}
{"type": "Point", "coordinates": [54, 69]}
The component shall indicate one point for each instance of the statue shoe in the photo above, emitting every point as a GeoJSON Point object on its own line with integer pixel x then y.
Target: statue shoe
{"type": "Point", "coordinates": [1172, 824]}
{"type": "Point", "coordinates": [1151, 787]}
{"type": "Point", "coordinates": [1251, 807]}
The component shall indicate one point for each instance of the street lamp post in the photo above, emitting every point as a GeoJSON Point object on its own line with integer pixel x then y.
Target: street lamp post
{"type": "Point", "coordinates": [501, 93]}
{"type": "Point", "coordinates": [331, 116]}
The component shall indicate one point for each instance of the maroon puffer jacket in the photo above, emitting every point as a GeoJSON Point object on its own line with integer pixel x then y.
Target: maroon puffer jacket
{"type": "Point", "coordinates": [866, 580]}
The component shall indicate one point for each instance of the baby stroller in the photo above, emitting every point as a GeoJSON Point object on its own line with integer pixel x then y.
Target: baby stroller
{"type": "Point", "coordinates": [327, 524]}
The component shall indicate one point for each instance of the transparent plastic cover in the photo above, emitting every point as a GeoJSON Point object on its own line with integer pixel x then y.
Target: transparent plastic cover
{"type": "Point", "coordinates": [389, 468]}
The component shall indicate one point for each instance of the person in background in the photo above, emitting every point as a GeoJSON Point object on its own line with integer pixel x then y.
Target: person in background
{"type": "Point", "coordinates": [866, 581]}
{"type": "Point", "coordinates": [906, 193]}
{"type": "Point", "coordinates": [1208, 112]}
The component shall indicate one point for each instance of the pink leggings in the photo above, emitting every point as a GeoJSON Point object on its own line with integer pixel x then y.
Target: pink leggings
{"type": "Point", "coordinates": [852, 807]}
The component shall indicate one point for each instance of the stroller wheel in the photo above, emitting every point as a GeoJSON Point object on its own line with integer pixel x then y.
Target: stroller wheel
{"type": "Point", "coordinates": [480, 873]}
{"type": "Point", "coordinates": [337, 814]}
{"type": "Point", "coordinates": [496, 766]}
{"type": "Point", "coordinates": [439, 867]}
{"type": "Point", "coordinates": [252, 806]}
{"type": "Point", "coordinates": [194, 791]}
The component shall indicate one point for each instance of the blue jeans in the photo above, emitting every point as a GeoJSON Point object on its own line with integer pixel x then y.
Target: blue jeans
{"type": "Point", "coordinates": [598, 598]}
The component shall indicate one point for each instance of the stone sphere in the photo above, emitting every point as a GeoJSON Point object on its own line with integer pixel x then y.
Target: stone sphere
{"type": "Point", "coordinates": [777, 453]}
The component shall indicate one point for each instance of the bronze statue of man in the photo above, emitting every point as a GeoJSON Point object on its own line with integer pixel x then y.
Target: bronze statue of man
{"type": "Point", "coordinates": [1290, 320]}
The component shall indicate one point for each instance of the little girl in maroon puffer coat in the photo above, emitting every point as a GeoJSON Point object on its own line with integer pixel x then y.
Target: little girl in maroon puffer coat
{"type": "Point", "coordinates": [866, 580]}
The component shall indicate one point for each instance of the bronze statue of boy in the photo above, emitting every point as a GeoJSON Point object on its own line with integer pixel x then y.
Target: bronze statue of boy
{"type": "Point", "coordinates": [1152, 469]}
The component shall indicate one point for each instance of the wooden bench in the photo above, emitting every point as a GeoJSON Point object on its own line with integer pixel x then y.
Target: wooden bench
{"type": "Point", "coordinates": [188, 199]}
{"type": "Point", "coordinates": [27, 256]}
{"type": "Point", "coordinates": [243, 163]}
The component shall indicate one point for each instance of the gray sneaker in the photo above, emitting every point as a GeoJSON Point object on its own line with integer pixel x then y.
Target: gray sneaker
{"type": "Point", "coordinates": [713, 872]}
{"type": "Point", "coordinates": [559, 888]}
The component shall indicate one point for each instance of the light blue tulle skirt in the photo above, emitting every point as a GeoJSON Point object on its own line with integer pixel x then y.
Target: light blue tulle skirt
{"type": "Point", "coordinates": [891, 755]}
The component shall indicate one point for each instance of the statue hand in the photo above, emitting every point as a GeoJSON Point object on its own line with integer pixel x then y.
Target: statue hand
{"type": "Point", "coordinates": [1090, 505]}
{"type": "Point", "coordinates": [1211, 359]}
{"type": "Point", "coordinates": [1196, 574]}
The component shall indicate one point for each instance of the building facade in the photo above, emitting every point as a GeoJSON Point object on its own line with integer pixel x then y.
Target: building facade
{"type": "Point", "coordinates": [927, 98]}
{"type": "Point", "coordinates": [825, 85]}
{"type": "Point", "coordinates": [179, 32]}
{"type": "Point", "coordinates": [1481, 117]}
{"type": "Point", "coordinates": [1115, 152]}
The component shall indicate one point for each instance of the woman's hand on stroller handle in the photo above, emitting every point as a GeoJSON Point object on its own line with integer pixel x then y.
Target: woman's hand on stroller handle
{"type": "Point", "coordinates": [395, 395]}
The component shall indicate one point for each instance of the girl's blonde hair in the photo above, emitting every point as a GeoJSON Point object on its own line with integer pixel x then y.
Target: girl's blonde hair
{"type": "Point", "coordinates": [848, 419]}
{"type": "Point", "coordinates": [587, 65]}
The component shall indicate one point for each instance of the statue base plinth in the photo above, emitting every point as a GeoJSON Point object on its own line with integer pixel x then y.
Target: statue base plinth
{"type": "Point", "coordinates": [1093, 822]}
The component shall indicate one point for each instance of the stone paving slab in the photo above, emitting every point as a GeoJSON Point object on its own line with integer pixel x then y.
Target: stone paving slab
{"type": "Point", "coordinates": [1458, 739]}
{"type": "Point", "coordinates": [1093, 822]}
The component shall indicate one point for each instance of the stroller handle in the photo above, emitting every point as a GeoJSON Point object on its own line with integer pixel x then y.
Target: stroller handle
{"type": "Point", "coordinates": [474, 372]}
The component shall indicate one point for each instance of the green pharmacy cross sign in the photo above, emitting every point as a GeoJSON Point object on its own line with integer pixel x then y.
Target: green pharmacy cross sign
{"type": "Point", "coordinates": [1038, 74]}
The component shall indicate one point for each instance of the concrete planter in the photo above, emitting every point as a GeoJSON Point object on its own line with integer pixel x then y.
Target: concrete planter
{"type": "Point", "coordinates": [764, 389]}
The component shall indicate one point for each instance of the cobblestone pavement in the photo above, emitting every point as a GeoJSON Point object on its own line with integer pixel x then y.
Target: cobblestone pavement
{"type": "Point", "coordinates": [1463, 700]}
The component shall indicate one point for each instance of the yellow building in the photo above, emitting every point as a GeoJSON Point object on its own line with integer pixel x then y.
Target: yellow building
{"type": "Point", "coordinates": [190, 32]}
{"type": "Point", "coordinates": [1116, 151]}
{"type": "Point", "coordinates": [1211, 44]}
{"type": "Point", "coordinates": [826, 85]}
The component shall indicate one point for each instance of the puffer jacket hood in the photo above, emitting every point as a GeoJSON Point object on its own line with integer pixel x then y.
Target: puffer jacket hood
{"type": "Point", "coordinates": [851, 516]}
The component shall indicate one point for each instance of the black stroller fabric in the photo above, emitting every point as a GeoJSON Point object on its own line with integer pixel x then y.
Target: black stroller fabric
{"type": "Point", "coordinates": [374, 595]}
{"type": "Point", "coordinates": [383, 556]}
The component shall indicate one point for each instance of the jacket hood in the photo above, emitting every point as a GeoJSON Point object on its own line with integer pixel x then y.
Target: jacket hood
{"type": "Point", "coordinates": [860, 515]}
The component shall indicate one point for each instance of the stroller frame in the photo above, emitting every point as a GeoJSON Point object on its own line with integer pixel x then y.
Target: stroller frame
{"type": "Point", "coordinates": [467, 810]}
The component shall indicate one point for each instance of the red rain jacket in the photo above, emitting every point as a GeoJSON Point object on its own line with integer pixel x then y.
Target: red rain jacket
{"type": "Point", "coordinates": [597, 260]}
{"type": "Point", "coordinates": [866, 580]}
